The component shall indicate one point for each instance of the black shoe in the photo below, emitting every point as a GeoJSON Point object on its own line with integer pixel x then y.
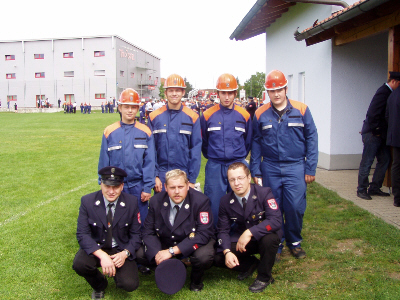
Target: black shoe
{"type": "Point", "coordinates": [144, 270]}
{"type": "Point", "coordinates": [196, 287]}
{"type": "Point", "coordinates": [378, 193]}
{"type": "Point", "coordinates": [363, 195]}
{"type": "Point", "coordinates": [298, 252]}
{"type": "Point", "coordinates": [249, 272]}
{"type": "Point", "coordinates": [97, 295]}
{"type": "Point", "coordinates": [396, 204]}
{"type": "Point", "coordinates": [258, 286]}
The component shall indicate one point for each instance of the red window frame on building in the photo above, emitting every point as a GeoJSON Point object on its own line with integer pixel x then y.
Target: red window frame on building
{"type": "Point", "coordinates": [10, 76]}
{"type": "Point", "coordinates": [100, 96]}
{"type": "Point", "coordinates": [68, 54]}
{"type": "Point", "coordinates": [99, 53]}
{"type": "Point", "coordinates": [39, 75]}
{"type": "Point", "coordinates": [38, 56]}
{"type": "Point", "coordinates": [11, 97]}
{"type": "Point", "coordinates": [10, 57]}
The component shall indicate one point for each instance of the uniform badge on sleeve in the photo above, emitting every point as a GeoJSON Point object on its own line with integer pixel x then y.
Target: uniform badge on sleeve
{"type": "Point", "coordinates": [138, 218]}
{"type": "Point", "coordinates": [204, 217]}
{"type": "Point", "coordinates": [272, 204]}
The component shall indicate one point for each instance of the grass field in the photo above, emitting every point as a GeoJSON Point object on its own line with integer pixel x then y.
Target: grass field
{"type": "Point", "coordinates": [48, 161]}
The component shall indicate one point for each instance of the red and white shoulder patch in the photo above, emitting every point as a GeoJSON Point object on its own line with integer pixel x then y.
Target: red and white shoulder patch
{"type": "Point", "coordinates": [204, 219]}
{"type": "Point", "coordinates": [272, 204]}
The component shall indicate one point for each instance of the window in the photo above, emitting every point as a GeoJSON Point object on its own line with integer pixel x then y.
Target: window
{"type": "Point", "coordinates": [99, 72]}
{"type": "Point", "coordinates": [132, 75]}
{"type": "Point", "coordinates": [68, 73]}
{"type": "Point", "coordinates": [11, 97]}
{"type": "Point", "coordinates": [10, 76]}
{"type": "Point", "coordinates": [10, 57]}
{"type": "Point", "coordinates": [100, 96]}
{"type": "Point", "coordinates": [39, 75]}
{"type": "Point", "coordinates": [68, 54]}
{"type": "Point", "coordinates": [39, 56]}
{"type": "Point", "coordinates": [69, 98]}
{"type": "Point", "coordinates": [121, 73]}
{"type": "Point", "coordinates": [99, 53]}
{"type": "Point", "coordinates": [302, 87]}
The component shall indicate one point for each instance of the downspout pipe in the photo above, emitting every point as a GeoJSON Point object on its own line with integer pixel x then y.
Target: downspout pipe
{"type": "Point", "coordinates": [343, 17]}
{"type": "Point", "coordinates": [326, 2]}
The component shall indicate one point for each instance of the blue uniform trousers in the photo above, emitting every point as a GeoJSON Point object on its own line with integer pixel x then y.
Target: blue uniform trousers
{"type": "Point", "coordinates": [143, 206]}
{"type": "Point", "coordinates": [289, 188]}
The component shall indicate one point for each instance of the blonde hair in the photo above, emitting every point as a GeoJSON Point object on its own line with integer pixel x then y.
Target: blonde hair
{"type": "Point", "coordinates": [176, 173]}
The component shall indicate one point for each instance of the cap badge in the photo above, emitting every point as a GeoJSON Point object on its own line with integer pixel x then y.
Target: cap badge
{"type": "Point", "coordinates": [112, 175]}
{"type": "Point", "coordinates": [227, 85]}
{"type": "Point", "coordinates": [273, 84]}
{"type": "Point", "coordinates": [231, 201]}
{"type": "Point", "coordinates": [187, 206]}
{"type": "Point", "coordinates": [112, 170]}
{"type": "Point", "coordinates": [165, 204]}
{"type": "Point", "coordinates": [131, 98]}
{"type": "Point", "coordinates": [97, 202]}
{"type": "Point", "coordinates": [122, 204]}
{"type": "Point", "coordinates": [175, 81]}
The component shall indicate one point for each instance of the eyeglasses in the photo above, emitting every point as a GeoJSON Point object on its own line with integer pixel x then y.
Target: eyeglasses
{"type": "Point", "coordinates": [239, 179]}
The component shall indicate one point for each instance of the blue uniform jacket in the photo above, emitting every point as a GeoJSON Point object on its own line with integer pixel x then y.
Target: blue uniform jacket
{"type": "Point", "coordinates": [393, 118]}
{"type": "Point", "coordinates": [226, 133]}
{"type": "Point", "coordinates": [262, 216]}
{"type": "Point", "coordinates": [192, 228]}
{"type": "Point", "coordinates": [177, 139]}
{"type": "Point", "coordinates": [290, 138]}
{"type": "Point", "coordinates": [129, 147]}
{"type": "Point", "coordinates": [92, 223]}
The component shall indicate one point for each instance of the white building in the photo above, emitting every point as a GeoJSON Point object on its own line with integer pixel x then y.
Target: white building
{"type": "Point", "coordinates": [83, 69]}
{"type": "Point", "coordinates": [336, 71]}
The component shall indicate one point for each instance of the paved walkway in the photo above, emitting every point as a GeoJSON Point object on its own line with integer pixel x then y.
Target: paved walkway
{"type": "Point", "coordinates": [344, 182]}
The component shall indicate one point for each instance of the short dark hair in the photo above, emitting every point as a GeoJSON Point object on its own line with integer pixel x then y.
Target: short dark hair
{"type": "Point", "coordinates": [237, 165]}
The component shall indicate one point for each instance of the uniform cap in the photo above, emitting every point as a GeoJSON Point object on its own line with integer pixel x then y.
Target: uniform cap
{"type": "Point", "coordinates": [170, 276]}
{"type": "Point", "coordinates": [112, 176]}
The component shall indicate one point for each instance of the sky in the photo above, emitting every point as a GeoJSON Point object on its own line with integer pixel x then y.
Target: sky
{"type": "Point", "coordinates": [190, 37]}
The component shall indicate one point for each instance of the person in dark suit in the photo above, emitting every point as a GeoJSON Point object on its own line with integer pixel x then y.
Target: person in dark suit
{"type": "Point", "coordinates": [251, 107]}
{"type": "Point", "coordinates": [179, 223]}
{"type": "Point", "coordinates": [393, 139]}
{"type": "Point", "coordinates": [249, 222]}
{"type": "Point", "coordinates": [113, 251]}
{"type": "Point", "coordinates": [374, 132]}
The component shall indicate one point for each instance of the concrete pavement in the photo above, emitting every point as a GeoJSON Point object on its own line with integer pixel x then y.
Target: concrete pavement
{"type": "Point", "coordinates": [344, 182]}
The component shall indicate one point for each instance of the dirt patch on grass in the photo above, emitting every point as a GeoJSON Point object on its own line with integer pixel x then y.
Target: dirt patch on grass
{"type": "Point", "coordinates": [343, 246]}
{"type": "Point", "coordinates": [394, 275]}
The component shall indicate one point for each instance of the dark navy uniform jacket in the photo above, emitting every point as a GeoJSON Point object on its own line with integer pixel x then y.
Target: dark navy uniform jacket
{"type": "Point", "coordinates": [92, 223]}
{"type": "Point", "coordinates": [262, 216]}
{"type": "Point", "coordinates": [375, 120]}
{"type": "Point", "coordinates": [393, 117]}
{"type": "Point", "coordinates": [192, 228]}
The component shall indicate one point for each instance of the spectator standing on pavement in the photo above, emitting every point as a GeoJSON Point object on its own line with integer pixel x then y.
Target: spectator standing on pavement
{"type": "Point", "coordinates": [285, 154]}
{"type": "Point", "coordinates": [374, 132]}
{"type": "Point", "coordinates": [393, 139]}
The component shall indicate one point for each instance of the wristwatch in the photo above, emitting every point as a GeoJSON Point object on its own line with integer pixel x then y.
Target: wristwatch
{"type": "Point", "coordinates": [127, 253]}
{"type": "Point", "coordinates": [171, 250]}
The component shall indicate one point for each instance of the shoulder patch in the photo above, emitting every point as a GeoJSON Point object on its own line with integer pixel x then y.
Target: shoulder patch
{"type": "Point", "coordinates": [157, 112]}
{"type": "Point", "coordinates": [299, 105]}
{"type": "Point", "coordinates": [261, 109]}
{"type": "Point", "coordinates": [243, 112]}
{"type": "Point", "coordinates": [143, 127]}
{"type": "Point", "coordinates": [209, 112]}
{"type": "Point", "coordinates": [190, 113]}
{"type": "Point", "coordinates": [111, 128]}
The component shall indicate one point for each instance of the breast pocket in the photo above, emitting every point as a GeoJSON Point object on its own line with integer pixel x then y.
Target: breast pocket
{"type": "Point", "coordinates": [115, 152]}
{"type": "Point", "coordinates": [296, 129]}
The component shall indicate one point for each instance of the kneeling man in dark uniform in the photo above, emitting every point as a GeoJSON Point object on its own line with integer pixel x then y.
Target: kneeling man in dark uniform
{"type": "Point", "coordinates": [180, 223]}
{"type": "Point", "coordinates": [249, 222]}
{"type": "Point", "coordinates": [108, 235]}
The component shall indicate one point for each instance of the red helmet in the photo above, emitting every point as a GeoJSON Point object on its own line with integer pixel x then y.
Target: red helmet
{"type": "Point", "coordinates": [129, 96]}
{"type": "Point", "coordinates": [275, 80]}
{"type": "Point", "coordinates": [226, 82]}
{"type": "Point", "coordinates": [174, 81]}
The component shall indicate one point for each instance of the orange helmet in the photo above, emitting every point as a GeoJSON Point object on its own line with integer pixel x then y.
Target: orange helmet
{"type": "Point", "coordinates": [226, 82]}
{"type": "Point", "coordinates": [174, 81]}
{"type": "Point", "coordinates": [129, 96]}
{"type": "Point", "coordinates": [275, 80]}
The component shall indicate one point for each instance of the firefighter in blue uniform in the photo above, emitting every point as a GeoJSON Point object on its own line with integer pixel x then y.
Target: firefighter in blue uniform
{"type": "Point", "coordinates": [179, 223]}
{"type": "Point", "coordinates": [142, 111]}
{"type": "Point", "coordinates": [286, 139]}
{"type": "Point", "coordinates": [177, 136]}
{"type": "Point", "coordinates": [129, 145]}
{"type": "Point", "coordinates": [226, 131]}
{"type": "Point", "coordinates": [249, 222]}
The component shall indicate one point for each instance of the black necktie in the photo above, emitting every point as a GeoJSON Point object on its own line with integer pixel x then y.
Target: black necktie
{"type": "Point", "coordinates": [177, 211]}
{"type": "Point", "coordinates": [108, 244]}
{"type": "Point", "coordinates": [244, 201]}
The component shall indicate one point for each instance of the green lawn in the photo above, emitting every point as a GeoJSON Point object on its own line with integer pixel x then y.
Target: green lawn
{"type": "Point", "coordinates": [48, 161]}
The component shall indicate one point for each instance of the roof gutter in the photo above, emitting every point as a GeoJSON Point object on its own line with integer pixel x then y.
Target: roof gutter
{"type": "Point", "coordinates": [340, 18]}
{"type": "Point", "coordinates": [246, 20]}
{"type": "Point", "coordinates": [327, 2]}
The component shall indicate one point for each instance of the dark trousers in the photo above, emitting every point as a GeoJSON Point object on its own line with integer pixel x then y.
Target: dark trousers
{"type": "Point", "coordinates": [126, 277]}
{"type": "Point", "coordinates": [267, 247]}
{"type": "Point", "coordinates": [374, 146]}
{"type": "Point", "coordinates": [396, 175]}
{"type": "Point", "coordinates": [201, 260]}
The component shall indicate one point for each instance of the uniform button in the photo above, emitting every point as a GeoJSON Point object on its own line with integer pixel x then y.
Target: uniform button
{"type": "Point", "coordinates": [94, 224]}
{"type": "Point", "coordinates": [174, 243]}
{"type": "Point", "coordinates": [248, 222]}
{"type": "Point", "coordinates": [173, 237]}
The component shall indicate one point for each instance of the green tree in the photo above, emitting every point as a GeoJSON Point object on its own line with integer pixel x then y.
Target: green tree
{"type": "Point", "coordinates": [255, 85]}
{"type": "Point", "coordinates": [162, 91]}
{"type": "Point", "coordinates": [189, 87]}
